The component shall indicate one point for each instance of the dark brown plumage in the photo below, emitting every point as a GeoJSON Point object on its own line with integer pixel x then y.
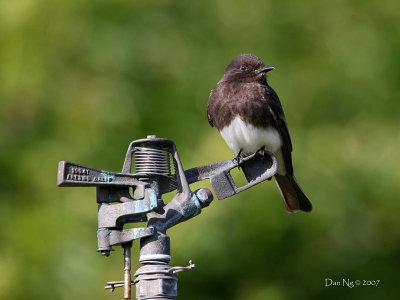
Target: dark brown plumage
{"type": "Point", "coordinates": [248, 114]}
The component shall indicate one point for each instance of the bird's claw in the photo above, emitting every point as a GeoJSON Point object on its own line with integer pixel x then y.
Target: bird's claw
{"type": "Point", "coordinates": [262, 153]}
{"type": "Point", "coordinates": [238, 159]}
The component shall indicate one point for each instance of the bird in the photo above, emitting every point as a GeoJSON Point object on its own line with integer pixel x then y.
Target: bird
{"type": "Point", "coordinates": [248, 114]}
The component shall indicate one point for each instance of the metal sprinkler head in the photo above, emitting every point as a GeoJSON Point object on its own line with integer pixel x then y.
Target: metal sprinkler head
{"type": "Point", "coordinates": [152, 167]}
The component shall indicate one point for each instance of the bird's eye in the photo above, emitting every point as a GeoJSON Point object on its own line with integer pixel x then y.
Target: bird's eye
{"type": "Point", "coordinates": [243, 68]}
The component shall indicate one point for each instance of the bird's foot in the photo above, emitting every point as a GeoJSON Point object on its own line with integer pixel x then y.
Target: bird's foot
{"type": "Point", "coordinates": [262, 153]}
{"type": "Point", "coordinates": [238, 159]}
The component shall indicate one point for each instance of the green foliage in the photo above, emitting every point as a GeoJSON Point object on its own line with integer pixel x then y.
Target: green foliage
{"type": "Point", "coordinates": [81, 79]}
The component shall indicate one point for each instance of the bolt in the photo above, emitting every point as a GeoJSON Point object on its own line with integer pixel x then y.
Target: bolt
{"type": "Point", "coordinates": [205, 196]}
{"type": "Point", "coordinates": [105, 252]}
{"type": "Point", "coordinates": [153, 136]}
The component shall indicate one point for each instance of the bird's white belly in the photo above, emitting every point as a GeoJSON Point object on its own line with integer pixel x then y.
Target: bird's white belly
{"type": "Point", "coordinates": [240, 135]}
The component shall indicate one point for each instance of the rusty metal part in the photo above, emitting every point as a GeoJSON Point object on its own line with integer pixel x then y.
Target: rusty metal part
{"type": "Point", "coordinates": [107, 238]}
{"type": "Point", "coordinates": [115, 215]}
{"type": "Point", "coordinates": [155, 248]}
{"type": "Point", "coordinates": [152, 156]}
{"type": "Point", "coordinates": [154, 281]}
{"type": "Point", "coordinates": [256, 167]}
{"type": "Point", "coordinates": [73, 175]}
{"type": "Point", "coordinates": [175, 270]}
{"type": "Point", "coordinates": [127, 269]}
{"type": "Point", "coordinates": [152, 162]}
{"type": "Point", "coordinates": [112, 285]}
{"type": "Point", "coordinates": [179, 210]}
{"type": "Point", "coordinates": [129, 197]}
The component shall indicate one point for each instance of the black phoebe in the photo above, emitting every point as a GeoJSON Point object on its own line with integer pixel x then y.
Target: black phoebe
{"type": "Point", "coordinates": [248, 114]}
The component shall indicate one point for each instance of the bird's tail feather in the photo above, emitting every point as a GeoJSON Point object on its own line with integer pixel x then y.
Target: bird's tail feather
{"type": "Point", "coordinates": [292, 195]}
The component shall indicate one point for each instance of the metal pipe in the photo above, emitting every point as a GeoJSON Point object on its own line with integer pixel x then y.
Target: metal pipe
{"type": "Point", "coordinates": [127, 269]}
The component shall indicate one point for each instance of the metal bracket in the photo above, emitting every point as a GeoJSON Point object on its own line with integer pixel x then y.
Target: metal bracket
{"type": "Point", "coordinates": [256, 167]}
{"type": "Point", "coordinates": [115, 215]}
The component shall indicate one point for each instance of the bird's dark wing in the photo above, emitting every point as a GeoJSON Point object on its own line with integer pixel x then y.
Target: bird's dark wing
{"type": "Point", "coordinates": [277, 111]}
{"type": "Point", "coordinates": [211, 99]}
{"type": "Point", "coordinates": [211, 106]}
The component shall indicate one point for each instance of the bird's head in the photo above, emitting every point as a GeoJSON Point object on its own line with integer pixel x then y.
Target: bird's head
{"type": "Point", "coordinates": [246, 67]}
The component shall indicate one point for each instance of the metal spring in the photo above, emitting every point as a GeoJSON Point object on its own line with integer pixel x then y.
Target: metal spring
{"type": "Point", "coordinates": [150, 161]}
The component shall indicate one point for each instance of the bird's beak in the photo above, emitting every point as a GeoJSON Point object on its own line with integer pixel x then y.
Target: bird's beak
{"type": "Point", "coordinates": [265, 69]}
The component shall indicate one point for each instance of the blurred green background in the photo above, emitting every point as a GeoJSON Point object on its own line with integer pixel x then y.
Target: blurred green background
{"type": "Point", "coordinates": [81, 79]}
